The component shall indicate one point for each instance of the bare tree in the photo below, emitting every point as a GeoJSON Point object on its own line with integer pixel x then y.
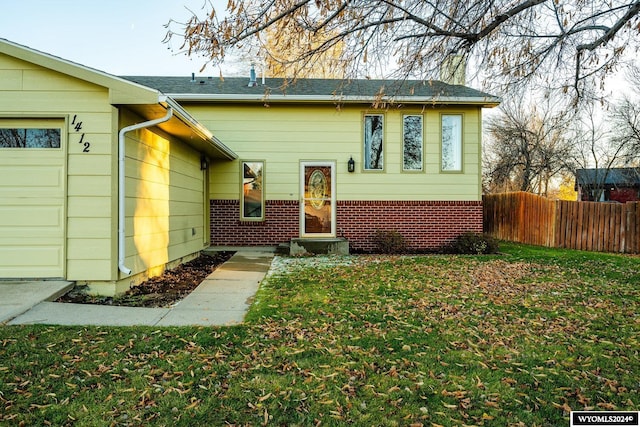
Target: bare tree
{"type": "Point", "coordinates": [625, 120]}
{"type": "Point", "coordinates": [608, 136]}
{"type": "Point", "coordinates": [560, 42]}
{"type": "Point", "coordinates": [527, 148]}
{"type": "Point", "coordinates": [596, 147]}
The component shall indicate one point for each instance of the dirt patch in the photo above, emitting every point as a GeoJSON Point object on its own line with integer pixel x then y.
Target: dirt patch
{"type": "Point", "coordinates": [160, 291]}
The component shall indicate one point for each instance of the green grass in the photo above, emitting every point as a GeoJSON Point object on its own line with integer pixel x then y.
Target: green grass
{"type": "Point", "coordinates": [517, 339]}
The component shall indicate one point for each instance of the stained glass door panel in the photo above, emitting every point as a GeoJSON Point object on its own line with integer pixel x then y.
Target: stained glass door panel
{"type": "Point", "coordinates": [318, 205]}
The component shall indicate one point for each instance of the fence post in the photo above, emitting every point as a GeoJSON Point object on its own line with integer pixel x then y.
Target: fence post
{"type": "Point", "coordinates": [553, 218]}
{"type": "Point", "coordinates": [632, 227]}
{"type": "Point", "coordinates": [636, 228]}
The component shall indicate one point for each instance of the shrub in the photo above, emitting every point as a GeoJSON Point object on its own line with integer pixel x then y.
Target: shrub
{"type": "Point", "coordinates": [474, 244]}
{"type": "Point", "coordinates": [389, 242]}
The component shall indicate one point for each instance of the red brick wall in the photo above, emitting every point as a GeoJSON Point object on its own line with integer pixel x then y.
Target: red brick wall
{"type": "Point", "coordinates": [280, 225]}
{"type": "Point", "coordinates": [624, 195]}
{"type": "Point", "coordinates": [425, 224]}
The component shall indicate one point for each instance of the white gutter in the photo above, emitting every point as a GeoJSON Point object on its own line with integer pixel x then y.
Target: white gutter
{"type": "Point", "coordinates": [198, 97]}
{"type": "Point", "coordinates": [121, 179]}
{"type": "Point", "coordinates": [203, 132]}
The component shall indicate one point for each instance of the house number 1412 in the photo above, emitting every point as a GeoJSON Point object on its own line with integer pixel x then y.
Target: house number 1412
{"type": "Point", "coordinates": [77, 126]}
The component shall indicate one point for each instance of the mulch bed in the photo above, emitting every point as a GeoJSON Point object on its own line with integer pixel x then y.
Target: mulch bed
{"type": "Point", "coordinates": [160, 291]}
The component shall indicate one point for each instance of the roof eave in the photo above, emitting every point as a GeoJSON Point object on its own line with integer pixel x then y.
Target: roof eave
{"type": "Point", "coordinates": [202, 132]}
{"type": "Point", "coordinates": [488, 102]}
{"type": "Point", "coordinates": [121, 91]}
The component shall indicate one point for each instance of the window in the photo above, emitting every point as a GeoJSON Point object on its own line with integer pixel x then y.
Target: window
{"type": "Point", "coordinates": [29, 138]}
{"type": "Point", "coordinates": [252, 203]}
{"type": "Point", "coordinates": [451, 142]}
{"type": "Point", "coordinates": [373, 142]}
{"type": "Point", "coordinates": [412, 143]}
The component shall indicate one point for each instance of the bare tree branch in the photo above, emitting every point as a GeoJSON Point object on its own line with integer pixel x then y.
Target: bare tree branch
{"type": "Point", "coordinates": [610, 33]}
{"type": "Point", "coordinates": [502, 18]}
{"type": "Point", "coordinates": [560, 43]}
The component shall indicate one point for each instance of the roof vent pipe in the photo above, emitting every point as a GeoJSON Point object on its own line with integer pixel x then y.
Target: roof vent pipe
{"type": "Point", "coordinates": [252, 78]}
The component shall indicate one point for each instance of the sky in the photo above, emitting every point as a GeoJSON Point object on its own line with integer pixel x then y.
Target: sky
{"type": "Point", "coordinates": [120, 37]}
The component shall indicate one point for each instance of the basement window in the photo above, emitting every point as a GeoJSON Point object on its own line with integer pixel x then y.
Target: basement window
{"type": "Point", "coordinates": [252, 199]}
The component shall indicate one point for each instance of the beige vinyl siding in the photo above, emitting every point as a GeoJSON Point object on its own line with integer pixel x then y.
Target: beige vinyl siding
{"type": "Point", "coordinates": [28, 91]}
{"type": "Point", "coordinates": [284, 135]}
{"type": "Point", "coordinates": [164, 192]}
{"type": "Point", "coordinates": [15, 73]}
{"type": "Point", "coordinates": [91, 240]}
{"type": "Point", "coordinates": [10, 79]}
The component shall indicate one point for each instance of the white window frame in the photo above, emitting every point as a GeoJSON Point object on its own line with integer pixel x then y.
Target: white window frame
{"type": "Point", "coordinates": [243, 216]}
{"type": "Point", "coordinates": [367, 154]}
{"type": "Point", "coordinates": [404, 140]}
{"type": "Point", "coordinates": [456, 135]}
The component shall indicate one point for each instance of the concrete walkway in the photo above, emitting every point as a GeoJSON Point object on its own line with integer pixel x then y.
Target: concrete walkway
{"type": "Point", "coordinates": [221, 299]}
{"type": "Point", "coordinates": [16, 297]}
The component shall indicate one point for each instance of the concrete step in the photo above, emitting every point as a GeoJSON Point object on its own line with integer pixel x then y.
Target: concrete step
{"type": "Point", "coordinates": [327, 245]}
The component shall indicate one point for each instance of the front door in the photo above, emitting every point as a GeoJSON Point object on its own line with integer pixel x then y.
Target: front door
{"type": "Point", "coordinates": [318, 205]}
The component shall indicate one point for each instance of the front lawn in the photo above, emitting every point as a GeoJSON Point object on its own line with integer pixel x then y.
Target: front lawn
{"type": "Point", "coordinates": [517, 339]}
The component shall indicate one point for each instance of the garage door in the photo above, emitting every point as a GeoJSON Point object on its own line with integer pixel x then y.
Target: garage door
{"type": "Point", "coordinates": [32, 190]}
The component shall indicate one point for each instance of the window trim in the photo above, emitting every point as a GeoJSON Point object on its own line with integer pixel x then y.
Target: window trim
{"type": "Point", "coordinates": [39, 123]}
{"type": "Point", "coordinates": [422, 136]}
{"type": "Point", "coordinates": [461, 146]}
{"type": "Point", "coordinates": [364, 167]}
{"type": "Point", "coordinates": [242, 193]}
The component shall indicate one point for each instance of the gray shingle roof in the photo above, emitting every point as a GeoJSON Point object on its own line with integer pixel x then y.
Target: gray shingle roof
{"type": "Point", "coordinates": [236, 88]}
{"type": "Point", "coordinates": [617, 177]}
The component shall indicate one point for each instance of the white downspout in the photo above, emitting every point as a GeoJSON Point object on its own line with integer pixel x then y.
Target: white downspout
{"type": "Point", "coordinates": [121, 192]}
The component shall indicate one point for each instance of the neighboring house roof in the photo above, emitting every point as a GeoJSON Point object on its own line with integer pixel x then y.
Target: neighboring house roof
{"type": "Point", "coordinates": [144, 100]}
{"type": "Point", "coordinates": [316, 90]}
{"type": "Point", "coordinates": [616, 177]}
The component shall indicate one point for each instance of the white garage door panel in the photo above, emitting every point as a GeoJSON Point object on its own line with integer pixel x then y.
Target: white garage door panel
{"type": "Point", "coordinates": [49, 177]}
{"type": "Point", "coordinates": [48, 257]}
{"type": "Point", "coordinates": [30, 218]}
{"type": "Point", "coordinates": [31, 262]}
{"type": "Point", "coordinates": [32, 213]}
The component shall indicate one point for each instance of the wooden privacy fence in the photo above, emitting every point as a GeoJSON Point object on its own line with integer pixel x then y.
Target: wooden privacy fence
{"type": "Point", "coordinates": [527, 218]}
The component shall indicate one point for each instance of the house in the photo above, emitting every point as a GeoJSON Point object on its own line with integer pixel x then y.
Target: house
{"type": "Point", "coordinates": [416, 160]}
{"type": "Point", "coordinates": [107, 180]}
{"type": "Point", "coordinates": [608, 185]}
{"type": "Point", "coordinates": [101, 179]}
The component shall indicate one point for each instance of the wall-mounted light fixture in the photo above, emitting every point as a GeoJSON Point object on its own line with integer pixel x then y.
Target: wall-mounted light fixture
{"type": "Point", "coordinates": [204, 163]}
{"type": "Point", "coordinates": [351, 165]}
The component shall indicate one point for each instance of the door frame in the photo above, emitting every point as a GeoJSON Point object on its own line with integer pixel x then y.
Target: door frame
{"type": "Point", "coordinates": [323, 163]}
